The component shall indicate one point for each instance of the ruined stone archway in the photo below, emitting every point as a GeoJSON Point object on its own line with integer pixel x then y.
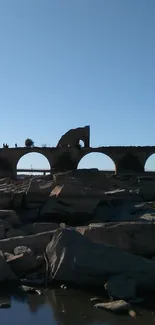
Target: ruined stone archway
{"type": "Point", "coordinates": [97, 160]}
{"type": "Point", "coordinates": [150, 164]}
{"type": "Point", "coordinates": [33, 163]}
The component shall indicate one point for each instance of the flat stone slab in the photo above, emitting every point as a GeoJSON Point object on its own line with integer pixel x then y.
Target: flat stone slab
{"type": "Point", "coordinates": [117, 306]}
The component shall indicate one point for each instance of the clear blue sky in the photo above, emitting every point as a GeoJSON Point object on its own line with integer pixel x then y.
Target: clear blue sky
{"type": "Point", "coordinates": [65, 64]}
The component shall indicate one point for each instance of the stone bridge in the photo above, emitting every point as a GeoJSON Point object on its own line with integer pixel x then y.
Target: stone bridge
{"type": "Point", "coordinates": [126, 159]}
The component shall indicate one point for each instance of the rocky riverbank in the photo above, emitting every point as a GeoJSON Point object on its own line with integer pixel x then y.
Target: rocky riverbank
{"type": "Point", "coordinates": [81, 227]}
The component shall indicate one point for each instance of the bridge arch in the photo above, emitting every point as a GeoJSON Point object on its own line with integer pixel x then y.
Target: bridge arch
{"type": "Point", "coordinates": [150, 163]}
{"type": "Point", "coordinates": [33, 162]}
{"type": "Point", "coordinates": [97, 160]}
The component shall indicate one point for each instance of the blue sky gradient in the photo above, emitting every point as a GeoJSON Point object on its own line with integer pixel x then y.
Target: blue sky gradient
{"type": "Point", "coordinates": [65, 64]}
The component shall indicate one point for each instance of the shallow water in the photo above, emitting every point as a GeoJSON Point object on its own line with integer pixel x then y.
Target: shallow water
{"type": "Point", "coordinates": [64, 307]}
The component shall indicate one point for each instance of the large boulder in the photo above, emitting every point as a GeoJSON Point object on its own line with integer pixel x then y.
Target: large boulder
{"type": "Point", "coordinates": [36, 242]}
{"type": "Point", "coordinates": [24, 260]}
{"type": "Point", "coordinates": [14, 233]}
{"type": "Point", "coordinates": [73, 258]}
{"type": "Point", "coordinates": [22, 263]}
{"type": "Point", "coordinates": [50, 207]}
{"type": "Point", "coordinates": [17, 199]}
{"type": "Point", "coordinates": [147, 191]}
{"type": "Point", "coordinates": [123, 210]}
{"type": "Point", "coordinates": [76, 197]}
{"type": "Point", "coordinates": [11, 217]}
{"type": "Point", "coordinates": [71, 211]}
{"type": "Point", "coordinates": [2, 231]}
{"type": "Point", "coordinates": [5, 198]}
{"type": "Point", "coordinates": [39, 227]}
{"type": "Point", "coordinates": [134, 237]}
{"type": "Point", "coordinates": [35, 198]}
{"type": "Point", "coordinates": [6, 225]}
{"type": "Point", "coordinates": [27, 228]}
{"type": "Point", "coordinates": [44, 226]}
{"type": "Point", "coordinates": [29, 215]}
{"type": "Point", "coordinates": [6, 273]}
{"type": "Point", "coordinates": [121, 286]}
{"type": "Point", "coordinates": [70, 201]}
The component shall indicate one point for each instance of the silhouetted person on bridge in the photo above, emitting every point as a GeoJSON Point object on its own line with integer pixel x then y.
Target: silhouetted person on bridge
{"type": "Point", "coordinates": [5, 145]}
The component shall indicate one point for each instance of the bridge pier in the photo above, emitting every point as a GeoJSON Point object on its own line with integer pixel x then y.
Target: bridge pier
{"type": "Point", "coordinates": [130, 164]}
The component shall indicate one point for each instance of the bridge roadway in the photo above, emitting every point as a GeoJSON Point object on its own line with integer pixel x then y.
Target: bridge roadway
{"type": "Point", "coordinates": [33, 170]}
{"type": "Point", "coordinates": [126, 159]}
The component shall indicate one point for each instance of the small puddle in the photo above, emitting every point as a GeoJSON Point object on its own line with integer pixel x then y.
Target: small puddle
{"type": "Point", "coordinates": [64, 307]}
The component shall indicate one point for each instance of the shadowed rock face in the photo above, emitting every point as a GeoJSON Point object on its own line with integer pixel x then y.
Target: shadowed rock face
{"type": "Point", "coordinates": [5, 272]}
{"type": "Point", "coordinates": [99, 210]}
{"type": "Point", "coordinates": [73, 258]}
{"type": "Point", "coordinates": [134, 237]}
{"type": "Point", "coordinates": [37, 242]}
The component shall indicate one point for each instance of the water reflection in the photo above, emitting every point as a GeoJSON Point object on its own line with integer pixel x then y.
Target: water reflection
{"type": "Point", "coordinates": [65, 307]}
{"type": "Point", "coordinates": [75, 308]}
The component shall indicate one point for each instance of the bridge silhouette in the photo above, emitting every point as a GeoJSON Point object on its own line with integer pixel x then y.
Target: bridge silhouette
{"type": "Point", "coordinates": [127, 160]}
